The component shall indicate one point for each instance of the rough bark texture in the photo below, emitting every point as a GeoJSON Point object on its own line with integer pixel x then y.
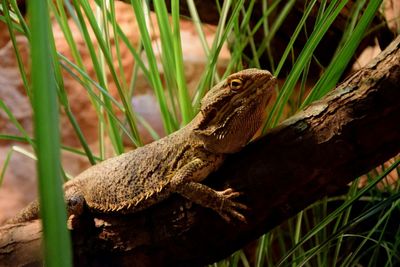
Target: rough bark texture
{"type": "Point", "coordinates": [314, 153]}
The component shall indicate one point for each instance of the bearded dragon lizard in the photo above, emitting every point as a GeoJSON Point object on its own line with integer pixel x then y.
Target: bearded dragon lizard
{"type": "Point", "coordinates": [230, 114]}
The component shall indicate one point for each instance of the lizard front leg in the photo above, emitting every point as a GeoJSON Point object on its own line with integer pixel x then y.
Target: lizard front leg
{"type": "Point", "coordinates": [184, 183]}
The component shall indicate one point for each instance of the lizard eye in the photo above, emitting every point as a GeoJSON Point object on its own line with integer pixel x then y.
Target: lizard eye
{"type": "Point", "coordinates": [235, 84]}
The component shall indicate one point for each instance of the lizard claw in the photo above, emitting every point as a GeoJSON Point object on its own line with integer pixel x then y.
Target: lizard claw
{"type": "Point", "coordinates": [229, 208]}
{"type": "Point", "coordinates": [229, 193]}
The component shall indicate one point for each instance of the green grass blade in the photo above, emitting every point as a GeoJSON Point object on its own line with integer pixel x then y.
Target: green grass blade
{"type": "Point", "coordinates": [339, 210]}
{"type": "Point", "coordinates": [113, 129]}
{"type": "Point", "coordinates": [155, 77]}
{"type": "Point", "coordinates": [261, 251]}
{"type": "Point", "coordinates": [113, 20]}
{"type": "Point", "coordinates": [17, 54]}
{"type": "Point", "coordinates": [63, 147]}
{"type": "Point", "coordinates": [148, 127]}
{"type": "Point", "coordinates": [241, 40]}
{"type": "Point", "coordinates": [62, 19]}
{"type": "Point", "coordinates": [305, 55]}
{"type": "Point", "coordinates": [15, 122]}
{"type": "Point", "coordinates": [123, 94]}
{"type": "Point", "coordinates": [63, 98]}
{"type": "Point", "coordinates": [272, 29]}
{"type": "Point", "coordinates": [343, 219]}
{"type": "Point", "coordinates": [87, 79]}
{"type": "Point", "coordinates": [183, 94]}
{"type": "Point", "coordinates": [20, 18]}
{"type": "Point", "coordinates": [100, 102]}
{"type": "Point", "coordinates": [294, 36]}
{"type": "Point", "coordinates": [5, 165]}
{"type": "Point", "coordinates": [198, 25]}
{"type": "Point", "coordinates": [166, 49]}
{"type": "Point", "coordinates": [223, 30]}
{"type": "Point", "coordinates": [369, 213]}
{"type": "Point", "coordinates": [338, 65]}
{"type": "Point", "coordinates": [14, 19]}
{"type": "Point", "coordinates": [393, 200]}
{"type": "Point", "coordinates": [57, 244]}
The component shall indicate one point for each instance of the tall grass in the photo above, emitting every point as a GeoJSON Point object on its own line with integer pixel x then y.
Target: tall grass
{"type": "Point", "coordinates": [57, 248]}
{"type": "Point", "coordinates": [319, 235]}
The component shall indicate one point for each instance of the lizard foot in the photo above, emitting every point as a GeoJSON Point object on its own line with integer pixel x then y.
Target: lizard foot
{"type": "Point", "coordinates": [228, 209]}
{"type": "Point", "coordinates": [221, 202]}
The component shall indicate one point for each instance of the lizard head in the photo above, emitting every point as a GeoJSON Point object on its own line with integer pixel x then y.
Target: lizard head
{"type": "Point", "coordinates": [233, 110]}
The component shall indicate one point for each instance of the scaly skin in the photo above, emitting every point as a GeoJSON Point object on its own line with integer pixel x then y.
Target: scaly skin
{"type": "Point", "coordinates": [230, 114]}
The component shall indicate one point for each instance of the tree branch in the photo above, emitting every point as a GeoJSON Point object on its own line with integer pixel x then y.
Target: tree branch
{"type": "Point", "coordinates": [312, 154]}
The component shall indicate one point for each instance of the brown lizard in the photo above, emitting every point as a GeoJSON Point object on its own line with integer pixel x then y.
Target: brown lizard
{"type": "Point", "coordinates": [230, 114]}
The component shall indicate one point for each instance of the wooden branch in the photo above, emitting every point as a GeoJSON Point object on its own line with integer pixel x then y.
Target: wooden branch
{"type": "Point", "coordinates": [312, 154]}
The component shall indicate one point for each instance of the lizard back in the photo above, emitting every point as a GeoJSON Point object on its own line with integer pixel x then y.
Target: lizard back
{"type": "Point", "coordinates": [139, 178]}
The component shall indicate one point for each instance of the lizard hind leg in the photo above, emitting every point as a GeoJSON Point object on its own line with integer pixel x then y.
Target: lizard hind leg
{"type": "Point", "coordinates": [74, 201]}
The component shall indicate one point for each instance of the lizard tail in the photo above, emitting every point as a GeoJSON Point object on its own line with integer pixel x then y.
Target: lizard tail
{"type": "Point", "coordinates": [29, 213]}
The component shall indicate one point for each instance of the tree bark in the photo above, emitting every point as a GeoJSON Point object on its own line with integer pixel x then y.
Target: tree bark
{"type": "Point", "coordinates": [314, 153]}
